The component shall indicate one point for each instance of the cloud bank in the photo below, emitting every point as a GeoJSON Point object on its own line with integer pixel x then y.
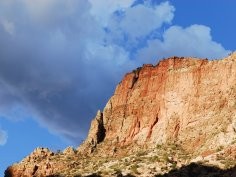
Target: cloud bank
{"type": "Point", "coordinates": [195, 40]}
{"type": "Point", "coordinates": [60, 60]}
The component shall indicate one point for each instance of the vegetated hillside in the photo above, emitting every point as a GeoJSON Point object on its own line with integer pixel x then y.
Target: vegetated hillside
{"type": "Point", "coordinates": [174, 119]}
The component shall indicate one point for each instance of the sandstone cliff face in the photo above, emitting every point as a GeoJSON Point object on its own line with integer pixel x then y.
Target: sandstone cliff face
{"type": "Point", "coordinates": [188, 101]}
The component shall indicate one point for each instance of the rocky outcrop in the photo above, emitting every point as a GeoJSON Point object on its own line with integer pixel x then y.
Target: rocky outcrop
{"type": "Point", "coordinates": [96, 134]}
{"type": "Point", "coordinates": [187, 103]}
{"type": "Point", "coordinates": [34, 166]}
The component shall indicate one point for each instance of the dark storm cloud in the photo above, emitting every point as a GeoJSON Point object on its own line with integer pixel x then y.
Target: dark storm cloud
{"type": "Point", "coordinates": [59, 65]}
{"type": "Point", "coordinates": [45, 67]}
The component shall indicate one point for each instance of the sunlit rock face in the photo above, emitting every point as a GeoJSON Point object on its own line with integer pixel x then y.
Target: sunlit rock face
{"type": "Point", "coordinates": [188, 101]}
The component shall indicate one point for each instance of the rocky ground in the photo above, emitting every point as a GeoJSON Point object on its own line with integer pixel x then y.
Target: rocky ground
{"type": "Point", "coordinates": [163, 160]}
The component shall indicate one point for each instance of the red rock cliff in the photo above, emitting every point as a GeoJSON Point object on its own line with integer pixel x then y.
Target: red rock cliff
{"type": "Point", "coordinates": [183, 100]}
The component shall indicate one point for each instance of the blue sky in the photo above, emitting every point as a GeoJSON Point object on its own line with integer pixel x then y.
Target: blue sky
{"type": "Point", "coordinates": [61, 60]}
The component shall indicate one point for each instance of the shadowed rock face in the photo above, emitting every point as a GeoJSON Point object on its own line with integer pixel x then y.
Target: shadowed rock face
{"type": "Point", "coordinates": [198, 170]}
{"type": "Point", "coordinates": [188, 102]}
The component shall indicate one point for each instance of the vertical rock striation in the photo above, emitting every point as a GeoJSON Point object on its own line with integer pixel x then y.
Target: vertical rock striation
{"type": "Point", "coordinates": [180, 100]}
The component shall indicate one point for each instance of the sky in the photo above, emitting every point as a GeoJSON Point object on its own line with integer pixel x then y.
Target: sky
{"type": "Point", "coordinates": [60, 60]}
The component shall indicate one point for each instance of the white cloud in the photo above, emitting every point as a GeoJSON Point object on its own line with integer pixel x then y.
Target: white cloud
{"type": "Point", "coordinates": [138, 21]}
{"type": "Point", "coordinates": [151, 18]}
{"type": "Point", "coordinates": [165, 12]}
{"type": "Point", "coordinates": [103, 9]}
{"type": "Point", "coordinates": [135, 21]}
{"type": "Point", "coordinates": [3, 137]}
{"type": "Point", "coordinates": [195, 40]}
